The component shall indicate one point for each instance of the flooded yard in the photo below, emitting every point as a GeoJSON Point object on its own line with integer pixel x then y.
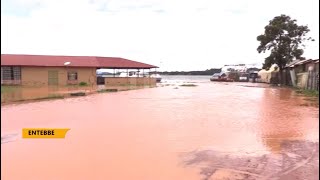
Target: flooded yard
{"type": "Point", "coordinates": [12, 94]}
{"type": "Point", "coordinates": [209, 131]}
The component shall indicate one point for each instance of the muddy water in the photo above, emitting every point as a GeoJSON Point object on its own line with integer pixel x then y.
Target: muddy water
{"type": "Point", "coordinates": [211, 131]}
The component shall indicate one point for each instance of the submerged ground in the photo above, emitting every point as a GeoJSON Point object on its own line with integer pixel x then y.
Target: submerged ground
{"type": "Point", "coordinates": [208, 131]}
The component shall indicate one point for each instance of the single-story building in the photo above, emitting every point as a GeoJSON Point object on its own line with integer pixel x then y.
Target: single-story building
{"type": "Point", "coordinates": [62, 70]}
{"type": "Point", "coordinates": [303, 73]}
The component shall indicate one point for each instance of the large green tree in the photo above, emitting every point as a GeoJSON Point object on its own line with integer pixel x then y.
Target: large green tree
{"type": "Point", "coordinates": [284, 39]}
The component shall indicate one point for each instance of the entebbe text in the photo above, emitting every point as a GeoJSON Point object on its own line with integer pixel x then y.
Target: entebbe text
{"type": "Point", "coordinates": [41, 132]}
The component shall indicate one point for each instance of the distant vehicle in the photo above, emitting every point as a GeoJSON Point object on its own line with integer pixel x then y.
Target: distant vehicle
{"type": "Point", "coordinates": [132, 74]}
{"type": "Point", "coordinates": [244, 77]}
{"type": "Point", "coordinates": [139, 74]}
{"type": "Point", "coordinates": [220, 77]}
{"type": "Point", "coordinates": [253, 76]}
{"type": "Point", "coordinates": [157, 76]}
{"type": "Point", "coordinates": [215, 77]}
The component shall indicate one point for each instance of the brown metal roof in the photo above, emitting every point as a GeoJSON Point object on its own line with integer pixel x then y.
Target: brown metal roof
{"type": "Point", "coordinates": [75, 61]}
{"type": "Point", "coordinates": [299, 62]}
{"type": "Point", "coordinates": [291, 64]}
{"type": "Point", "coordinates": [304, 61]}
{"type": "Point", "coordinates": [121, 63]}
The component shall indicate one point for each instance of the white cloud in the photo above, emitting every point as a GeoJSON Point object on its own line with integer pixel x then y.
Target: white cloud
{"type": "Point", "coordinates": [183, 35]}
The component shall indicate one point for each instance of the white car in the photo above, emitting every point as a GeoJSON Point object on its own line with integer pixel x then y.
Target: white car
{"type": "Point", "coordinates": [157, 76]}
{"type": "Point", "coordinates": [215, 77]}
{"type": "Point", "coordinates": [244, 78]}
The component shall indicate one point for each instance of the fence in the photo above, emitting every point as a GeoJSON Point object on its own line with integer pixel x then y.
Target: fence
{"type": "Point", "coordinates": [286, 78]}
{"type": "Point", "coordinates": [313, 80]}
{"type": "Point", "coordinates": [305, 80]}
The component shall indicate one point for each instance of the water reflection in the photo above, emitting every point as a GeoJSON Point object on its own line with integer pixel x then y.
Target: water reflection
{"type": "Point", "coordinates": [285, 94]}
{"type": "Point", "coordinates": [283, 119]}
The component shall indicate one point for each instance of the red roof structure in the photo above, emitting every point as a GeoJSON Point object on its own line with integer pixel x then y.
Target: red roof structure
{"type": "Point", "coordinates": [75, 61]}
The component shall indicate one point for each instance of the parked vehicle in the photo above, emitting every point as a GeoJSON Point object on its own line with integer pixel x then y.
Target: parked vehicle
{"type": "Point", "coordinates": [157, 76]}
{"type": "Point", "coordinates": [215, 77]}
{"type": "Point", "coordinates": [244, 77]}
{"type": "Point", "coordinates": [253, 76]}
{"type": "Point", "coordinates": [220, 77]}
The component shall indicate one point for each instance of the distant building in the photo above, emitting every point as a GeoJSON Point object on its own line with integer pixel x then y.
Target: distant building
{"type": "Point", "coordinates": [239, 68]}
{"type": "Point", "coordinates": [234, 68]}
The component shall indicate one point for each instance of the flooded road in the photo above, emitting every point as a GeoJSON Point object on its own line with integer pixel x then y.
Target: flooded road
{"type": "Point", "coordinates": [211, 131]}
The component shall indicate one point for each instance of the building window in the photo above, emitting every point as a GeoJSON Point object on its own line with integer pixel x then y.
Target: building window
{"type": "Point", "coordinates": [10, 74]}
{"type": "Point", "coordinates": [72, 76]}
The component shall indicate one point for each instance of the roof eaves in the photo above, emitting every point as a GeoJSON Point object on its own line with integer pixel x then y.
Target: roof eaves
{"type": "Point", "coordinates": [304, 61]}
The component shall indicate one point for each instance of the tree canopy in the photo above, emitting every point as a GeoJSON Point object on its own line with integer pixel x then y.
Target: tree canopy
{"type": "Point", "coordinates": [284, 39]}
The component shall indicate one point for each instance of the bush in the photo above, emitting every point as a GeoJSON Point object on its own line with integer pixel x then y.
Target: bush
{"type": "Point", "coordinates": [306, 92]}
{"type": "Point", "coordinates": [78, 94]}
{"type": "Point", "coordinates": [107, 90]}
{"type": "Point", "coordinates": [188, 85]}
{"type": "Point", "coordinates": [83, 84]}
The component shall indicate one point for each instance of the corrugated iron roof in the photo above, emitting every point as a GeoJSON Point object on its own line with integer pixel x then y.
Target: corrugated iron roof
{"type": "Point", "coordinates": [299, 62]}
{"type": "Point", "coordinates": [292, 63]}
{"type": "Point", "coordinates": [75, 61]}
{"type": "Point", "coordinates": [303, 61]}
{"type": "Point", "coordinates": [121, 63]}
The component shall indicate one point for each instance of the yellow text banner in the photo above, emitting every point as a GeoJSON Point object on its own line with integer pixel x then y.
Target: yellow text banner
{"type": "Point", "coordinates": [44, 133]}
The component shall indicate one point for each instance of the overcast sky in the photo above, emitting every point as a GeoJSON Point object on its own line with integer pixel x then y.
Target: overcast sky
{"type": "Point", "coordinates": [173, 34]}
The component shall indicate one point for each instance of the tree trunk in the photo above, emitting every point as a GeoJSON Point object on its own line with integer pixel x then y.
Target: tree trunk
{"type": "Point", "coordinates": [280, 75]}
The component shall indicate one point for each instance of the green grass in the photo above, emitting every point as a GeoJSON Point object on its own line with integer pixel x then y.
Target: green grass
{"type": "Point", "coordinates": [78, 94]}
{"type": "Point", "coordinates": [306, 92]}
{"type": "Point", "coordinates": [312, 96]}
{"type": "Point", "coordinates": [107, 90]}
{"type": "Point", "coordinates": [8, 89]}
{"type": "Point", "coordinates": [188, 85]}
{"type": "Point", "coordinates": [51, 96]}
{"type": "Point", "coordinates": [83, 84]}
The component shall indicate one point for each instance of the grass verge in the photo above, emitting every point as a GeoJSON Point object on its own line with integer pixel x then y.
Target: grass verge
{"type": "Point", "coordinates": [51, 96]}
{"type": "Point", "coordinates": [188, 85]}
{"type": "Point", "coordinates": [8, 89]}
{"type": "Point", "coordinates": [306, 92]}
{"type": "Point", "coordinates": [107, 90]}
{"type": "Point", "coordinates": [78, 94]}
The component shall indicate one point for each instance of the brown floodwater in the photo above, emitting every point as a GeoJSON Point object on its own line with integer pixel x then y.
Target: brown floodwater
{"type": "Point", "coordinates": [211, 131]}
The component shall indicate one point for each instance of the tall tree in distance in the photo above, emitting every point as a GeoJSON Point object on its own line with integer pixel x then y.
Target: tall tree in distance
{"type": "Point", "coordinates": [284, 39]}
